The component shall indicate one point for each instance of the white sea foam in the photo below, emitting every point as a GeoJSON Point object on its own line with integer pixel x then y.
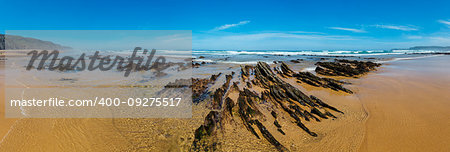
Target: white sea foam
{"type": "Point", "coordinates": [202, 60]}
{"type": "Point", "coordinates": [308, 69]}
{"type": "Point", "coordinates": [244, 62]}
{"type": "Point", "coordinates": [324, 52]}
{"type": "Point", "coordinates": [408, 58]}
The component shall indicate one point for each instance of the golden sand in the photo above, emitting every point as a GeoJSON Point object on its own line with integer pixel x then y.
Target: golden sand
{"type": "Point", "coordinates": [409, 106]}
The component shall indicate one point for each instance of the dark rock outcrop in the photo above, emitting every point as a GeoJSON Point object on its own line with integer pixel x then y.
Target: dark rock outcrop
{"type": "Point", "coordinates": [266, 134]}
{"type": "Point", "coordinates": [261, 87]}
{"type": "Point", "coordinates": [311, 79]}
{"type": "Point", "coordinates": [196, 87]}
{"type": "Point", "coordinates": [219, 94]}
{"type": "Point", "coordinates": [204, 132]}
{"type": "Point", "coordinates": [297, 61]}
{"type": "Point", "coordinates": [347, 68]}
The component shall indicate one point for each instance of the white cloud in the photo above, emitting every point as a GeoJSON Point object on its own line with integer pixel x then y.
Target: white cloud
{"type": "Point", "coordinates": [305, 32]}
{"type": "Point", "coordinates": [273, 40]}
{"type": "Point", "coordinates": [444, 22]}
{"type": "Point", "coordinates": [226, 26]}
{"type": "Point", "coordinates": [398, 27]}
{"type": "Point", "coordinates": [414, 37]}
{"type": "Point", "coordinates": [259, 36]}
{"type": "Point", "coordinates": [349, 29]}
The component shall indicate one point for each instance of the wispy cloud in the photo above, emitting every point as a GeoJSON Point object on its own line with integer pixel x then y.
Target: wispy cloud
{"type": "Point", "coordinates": [397, 27]}
{"type": "Point", "coordinates": [227, 26]}
{"type": "Point", "coordinates": [305, 32]}
{"type": "Point", "coordinates": [446, 22]}
{"type": "Point", "coordinates": [259, 36]}
{"type": "Point", "coordinates": [414, 37]}
{"type": "Point", "coordinates": [349, 29]}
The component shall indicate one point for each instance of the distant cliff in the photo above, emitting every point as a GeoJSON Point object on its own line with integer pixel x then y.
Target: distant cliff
{"type": "Point", "coordinates": [2, 42]}
{"type": "Point", "coordinates": [12, 42]}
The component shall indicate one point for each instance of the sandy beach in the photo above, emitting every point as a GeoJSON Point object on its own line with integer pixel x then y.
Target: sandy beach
{"type": "Point", "coordinates": [408, 106]}
{"type": "Point", "coordinates": [403, 106]}
{"type": "Point", "coordinates": [225, 76]}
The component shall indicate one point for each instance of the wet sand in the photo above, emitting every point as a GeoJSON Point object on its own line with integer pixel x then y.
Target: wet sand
{"type": "Point", "coordinates": [408, 103]}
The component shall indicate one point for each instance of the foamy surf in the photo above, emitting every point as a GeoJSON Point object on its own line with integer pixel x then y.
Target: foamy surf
{"type": "Point", "coordinates": [309, 69]}
{"type": "Point", "coordinates": [407, 58]}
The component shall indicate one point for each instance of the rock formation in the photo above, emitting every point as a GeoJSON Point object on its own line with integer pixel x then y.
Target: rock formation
{"type": "Point", "coordinates": [247, 112]}
{"type": "Point", "coordinates": [311, 79]}
{"type": "Point", "coordinates": [258, 99]}
{"type": "Point", "coordinates": [347, 68]}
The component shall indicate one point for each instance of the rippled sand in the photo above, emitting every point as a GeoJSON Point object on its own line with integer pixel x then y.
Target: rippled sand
{"type": "Point", "coordinates": [408, 103]}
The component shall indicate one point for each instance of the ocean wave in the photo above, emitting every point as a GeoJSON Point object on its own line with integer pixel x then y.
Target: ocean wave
{"type": "Point", "coordinates": [308, 52]}
{"type": "Point", "coordinates": [309, 69]}
{"type": "Point", "coordinates": [407, 58]}
{"type": "Point", "coordinates": [244, 62]}
{"type": "Point", "coordinates": [202, 60]}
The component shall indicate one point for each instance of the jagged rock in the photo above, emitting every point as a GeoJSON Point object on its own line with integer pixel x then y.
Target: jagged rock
{"type": "Point", "coordinates": [245, 70]}
{"type": "Point", "coordinates": [214, 119]}
{"type": "Point", "coordinates": [249, 85]}
{"type": "Point", "coordinates": [323, 104]}
{"type": "Point", "coordinates": [214, 77]}
{"type": "Point", "coordinates": [229, 106]}
{"type": "Point", "coordinates": [318, 113]}
{"type": "Point", "coordinates": [199, 87]}
{"type": "Point", "coordinates": [217, 98]}
{"type": "Point", "coordinates": [313, 80]}
{"type": "Point", "coordinates": [234, 87]}
{"type": "Point", "coordinates": [346, 68]}
{"type": "Point", "coordinates": [285, 68]}
{"type": "Point", "coordinates": [273, 114]}
{"type": "Point", "coordinates": [281, 131]}
{"type": "Point", "coordinates": [219, 94]}
{"type": "Point", "coordinates": [227, 81]}
{"type": "Point", "coordinates": [271, 90]}
{"type": "Point", "coordinates": [277, 124]}
{"type": "Point", "coordinates": [248, 110]}
{"type": "Point", "coordinates": [195, 65]}
{"type": "Point", "coordinates": [266, 134]}
{"type": "Point", "coordinates": [296, 61]}
{"type": "Point", "coordinates": [287, 96]}
{"type": "Point", "coordinates": [201, 57]}
{"type": "Point", "coordinates": [329, 114]}
{"type": "Point", "coordinates": [205, 131]}
{"type": "Point", "coordinates": [179, 83]}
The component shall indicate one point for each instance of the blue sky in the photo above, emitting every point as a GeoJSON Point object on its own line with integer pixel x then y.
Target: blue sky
{"type": "Point", "coordinates": [337, 24]}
